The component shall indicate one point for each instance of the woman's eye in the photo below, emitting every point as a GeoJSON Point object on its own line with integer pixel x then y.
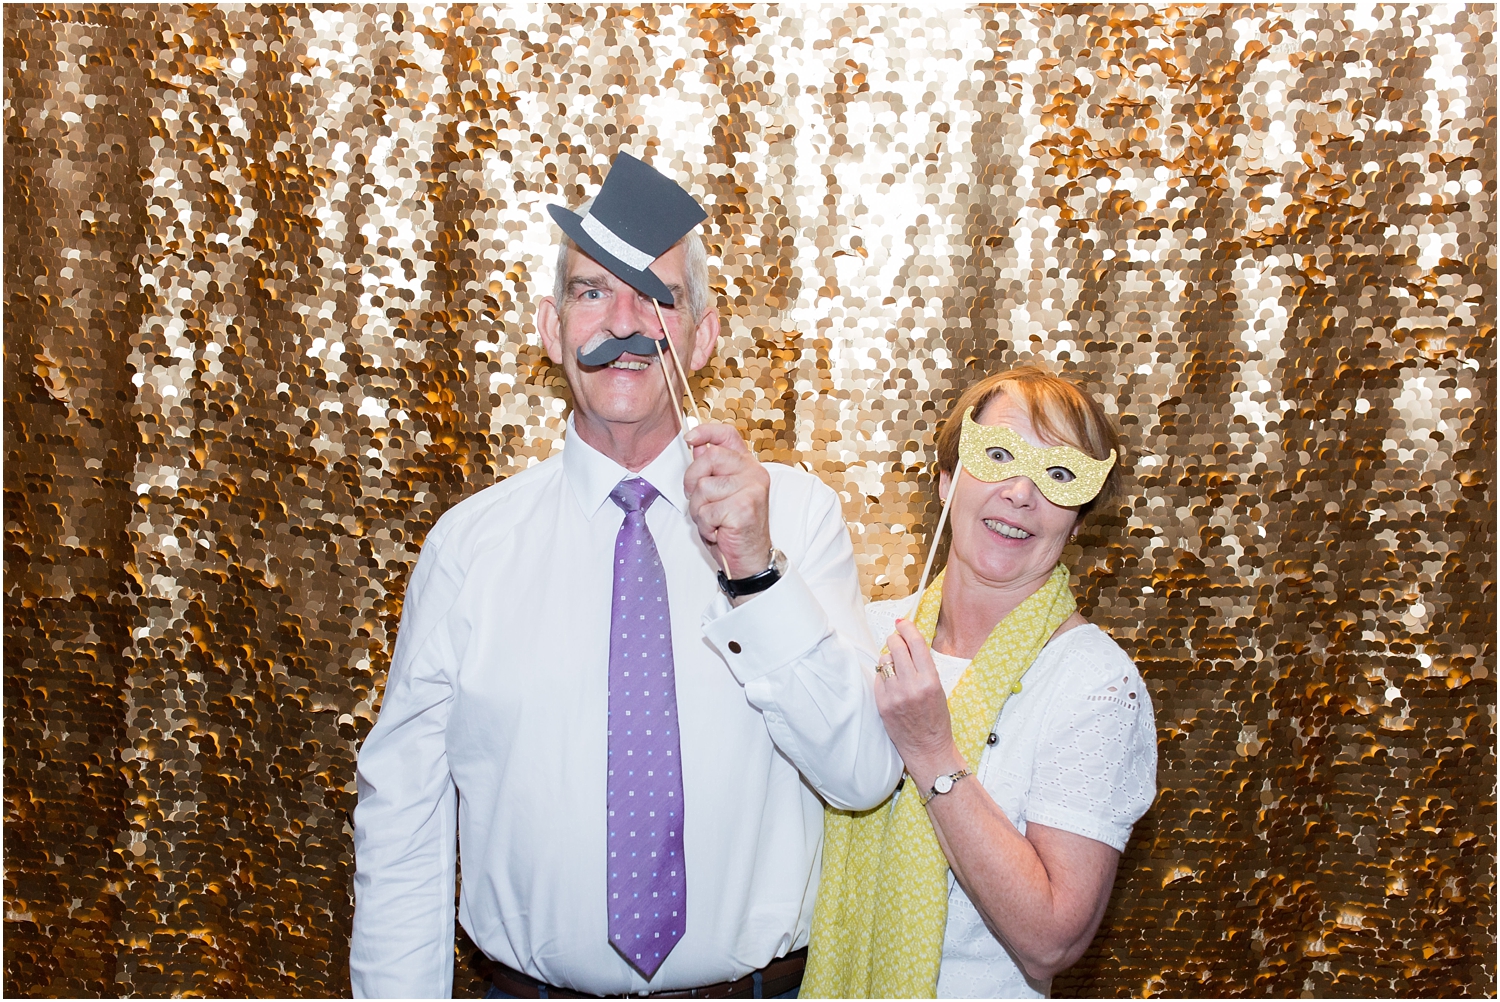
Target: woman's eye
{"type": "Point", "coordinates": [998, 454]}
{"type": "Point", "coordinates": [1061, 474]}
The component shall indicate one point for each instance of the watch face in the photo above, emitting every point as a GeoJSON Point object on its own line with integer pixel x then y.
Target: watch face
{"type": "Point", "coordinates": [943, 784]}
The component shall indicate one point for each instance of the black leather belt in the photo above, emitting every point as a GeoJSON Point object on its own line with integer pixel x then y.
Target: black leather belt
{"type": "Point", "coordinates": [776, 978]}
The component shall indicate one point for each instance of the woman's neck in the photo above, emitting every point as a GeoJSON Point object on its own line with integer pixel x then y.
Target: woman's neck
{"type": "Point", "coordinates": [972, 606]}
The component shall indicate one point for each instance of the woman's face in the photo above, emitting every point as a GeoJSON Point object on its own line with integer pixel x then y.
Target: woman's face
{"type": "Point", "coordinates": [1007, 533]}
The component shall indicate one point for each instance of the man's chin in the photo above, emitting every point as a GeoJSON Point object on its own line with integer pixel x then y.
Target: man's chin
{"type": "Point", "coordinates": [618, 405]}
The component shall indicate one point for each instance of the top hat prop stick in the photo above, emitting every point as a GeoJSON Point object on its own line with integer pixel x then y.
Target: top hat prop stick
{"type": "Point", "coordinates": [937, 537]}
{"type": "Point", "coordinates": [676, 361]}
{"type": "Point", "coordinates": [681, 410]}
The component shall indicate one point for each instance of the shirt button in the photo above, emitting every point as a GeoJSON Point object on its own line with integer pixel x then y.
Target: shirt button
{"type": "Point", "coordinates": [734, 647]}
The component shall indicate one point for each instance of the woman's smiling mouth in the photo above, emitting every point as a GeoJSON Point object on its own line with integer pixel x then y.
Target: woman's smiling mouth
{"type": "Point", "coordinates": [1006, 529]}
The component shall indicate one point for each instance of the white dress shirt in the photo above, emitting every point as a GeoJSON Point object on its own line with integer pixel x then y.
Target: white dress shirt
{"type": "Point", "coordinates": [494, 722]}
{"type": "Point", "coordinates": [1074, 750]}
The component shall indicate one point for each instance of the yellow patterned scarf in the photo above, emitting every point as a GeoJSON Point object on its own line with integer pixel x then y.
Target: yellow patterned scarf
{"type": "Point", "coordinates": [883, 901]}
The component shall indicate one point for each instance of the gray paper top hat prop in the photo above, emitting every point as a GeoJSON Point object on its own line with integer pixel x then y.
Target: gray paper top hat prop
{"type": "Point", "coordinates": [637, 217]}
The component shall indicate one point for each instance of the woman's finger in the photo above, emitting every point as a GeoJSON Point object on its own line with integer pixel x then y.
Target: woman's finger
{"type": "Point", "coordinates": [900, 655]}
{"type": "Point", "coordinates": [916, 647]}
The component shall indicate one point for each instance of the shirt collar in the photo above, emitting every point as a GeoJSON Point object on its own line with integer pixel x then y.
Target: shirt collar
{"type": "Point", "coordinates": [593, 474]}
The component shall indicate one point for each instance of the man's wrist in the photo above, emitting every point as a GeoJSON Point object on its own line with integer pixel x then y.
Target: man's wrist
{"type": "Point", "coordinates": [748, 560]}
{"type": "Point", "coordinates": [765, 574]}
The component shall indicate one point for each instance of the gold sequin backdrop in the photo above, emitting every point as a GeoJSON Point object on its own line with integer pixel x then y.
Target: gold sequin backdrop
{"type": "Point", "coordinates": [270, 279]}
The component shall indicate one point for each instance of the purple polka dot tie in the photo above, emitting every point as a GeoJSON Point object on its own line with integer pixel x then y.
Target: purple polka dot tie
{"type": "Point", "coordinates": [647, 882]}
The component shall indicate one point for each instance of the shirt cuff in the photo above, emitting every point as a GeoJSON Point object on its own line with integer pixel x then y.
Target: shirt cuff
{"type": "Point", "coordinates": [772, 630]}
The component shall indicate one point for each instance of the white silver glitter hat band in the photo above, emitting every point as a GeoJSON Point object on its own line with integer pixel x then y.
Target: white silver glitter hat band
{"type": "Point", "coordinates": [612, 242]}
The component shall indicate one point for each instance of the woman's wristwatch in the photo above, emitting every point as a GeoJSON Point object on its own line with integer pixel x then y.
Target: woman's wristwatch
{"type": "Point", "coordinates": [943, 784]}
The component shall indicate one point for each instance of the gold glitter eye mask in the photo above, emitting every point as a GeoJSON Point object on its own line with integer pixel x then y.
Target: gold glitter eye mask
{"type": "Point", "coordinates": [1064, 475]}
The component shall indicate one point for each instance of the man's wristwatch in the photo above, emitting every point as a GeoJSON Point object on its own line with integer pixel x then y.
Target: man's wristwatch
{"type": "Point", "coordinates": [943, 784]}
{"type": "Point", "coordinates": [755, 583]}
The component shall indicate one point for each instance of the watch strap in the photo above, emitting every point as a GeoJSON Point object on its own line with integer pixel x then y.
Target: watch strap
{"type": "Point", "coordinates": [935, 792]}
{"type": "Point", "coordinates": [755, 583]}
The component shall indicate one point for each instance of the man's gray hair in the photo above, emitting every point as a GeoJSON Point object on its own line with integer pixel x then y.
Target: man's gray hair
{"type": "Point", "coordinates": [695, 270]}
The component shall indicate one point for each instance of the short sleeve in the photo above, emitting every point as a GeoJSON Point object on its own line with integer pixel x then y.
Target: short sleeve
{"type": "Point", "coordinates": [1095, 767]}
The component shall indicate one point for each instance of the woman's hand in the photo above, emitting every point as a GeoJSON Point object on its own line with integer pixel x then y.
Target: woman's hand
{"type": "Point", "coordinates": [915, 709]}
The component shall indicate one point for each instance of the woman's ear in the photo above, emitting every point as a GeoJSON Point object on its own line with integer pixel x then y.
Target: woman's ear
{"type": "Point", "coordinates": [944, 482]}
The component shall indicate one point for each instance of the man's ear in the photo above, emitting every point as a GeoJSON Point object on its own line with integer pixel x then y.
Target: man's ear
{"type": "Point", "coordinates": [549, 326]}
{"type": "Point", "coordinates": [705, 340]}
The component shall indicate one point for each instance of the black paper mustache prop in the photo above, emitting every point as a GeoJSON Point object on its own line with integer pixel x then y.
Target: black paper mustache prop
{"type": "Point", "coordinates": [612, 348]}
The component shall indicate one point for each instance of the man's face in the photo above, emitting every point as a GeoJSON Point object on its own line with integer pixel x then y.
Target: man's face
{"type": "Point", "coordinates": [596, 306]}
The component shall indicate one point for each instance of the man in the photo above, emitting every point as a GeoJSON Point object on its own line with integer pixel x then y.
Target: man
{"type": "Point", "coordinates": [572, 634]}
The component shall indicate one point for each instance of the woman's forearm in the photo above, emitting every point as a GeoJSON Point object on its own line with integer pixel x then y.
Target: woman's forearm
{"type": "Point", "coordinates": [1043, 902]}
{"type": "Point", "coordinates": [1043, 893]}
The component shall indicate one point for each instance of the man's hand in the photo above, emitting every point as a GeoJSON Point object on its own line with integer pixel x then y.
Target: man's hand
{"type": "Point", "coordinates": [729, 498]}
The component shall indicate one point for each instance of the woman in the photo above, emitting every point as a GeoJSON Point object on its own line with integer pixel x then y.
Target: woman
{"type": "Point", "coordinates": [1028, 738]}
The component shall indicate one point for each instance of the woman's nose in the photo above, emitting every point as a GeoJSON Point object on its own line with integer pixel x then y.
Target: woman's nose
{"type": "Point", "coordinates": [1019, 491]}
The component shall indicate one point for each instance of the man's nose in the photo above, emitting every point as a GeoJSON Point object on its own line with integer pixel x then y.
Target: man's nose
{"type": "Point", "coordinates": [630, 314]}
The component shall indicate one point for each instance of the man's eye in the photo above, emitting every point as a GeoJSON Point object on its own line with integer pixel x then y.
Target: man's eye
{"type": "Point", "coordinates": [1061, 474]}
{"type": "Point", "coordinates": [592, 294]}
{"type": "Point", "coordinates": [998, 454]}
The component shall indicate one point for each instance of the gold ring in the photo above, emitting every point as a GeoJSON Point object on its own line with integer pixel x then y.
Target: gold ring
{"type": "Point", "coordinates": [885, 667]}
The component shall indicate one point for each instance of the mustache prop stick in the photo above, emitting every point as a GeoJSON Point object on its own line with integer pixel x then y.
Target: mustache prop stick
{"type": "Point", "coordinates": [681, 372]}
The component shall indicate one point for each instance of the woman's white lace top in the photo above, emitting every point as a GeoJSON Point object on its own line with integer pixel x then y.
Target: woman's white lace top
{"type": "Point", "coordinates": [1075, 749]}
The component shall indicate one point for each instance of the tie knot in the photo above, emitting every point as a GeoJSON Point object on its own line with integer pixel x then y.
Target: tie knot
{"type": "Point", "coordinates": [634, 494]}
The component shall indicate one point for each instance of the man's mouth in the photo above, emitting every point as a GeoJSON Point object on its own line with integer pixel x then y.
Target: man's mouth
{"type": "Point", "coordinates": [1005, 529]}
{"type": "Point", "coordinates": [631, 363]}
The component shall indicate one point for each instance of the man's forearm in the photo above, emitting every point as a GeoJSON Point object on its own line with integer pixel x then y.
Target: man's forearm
{"type": "Point", "coordinates": [402, 940]}
{"type": "Point", "coordinates": [812, 686]}
{"type": "Point", "coordinates": [405, 839]}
